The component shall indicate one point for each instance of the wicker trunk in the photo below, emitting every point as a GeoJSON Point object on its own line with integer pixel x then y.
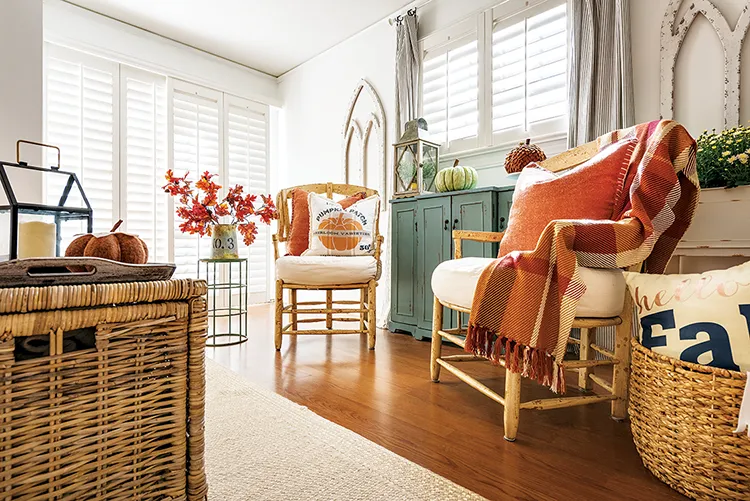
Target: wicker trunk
{"type": "Point", "coordinates": [102, 391]}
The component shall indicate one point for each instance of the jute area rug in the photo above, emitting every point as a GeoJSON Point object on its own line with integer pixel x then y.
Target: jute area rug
{"type": "Point", "coordinates": [263, 447]}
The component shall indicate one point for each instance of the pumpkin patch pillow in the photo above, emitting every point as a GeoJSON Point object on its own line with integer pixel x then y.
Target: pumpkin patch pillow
{"type": "Point", "coordinates": [338, 231]}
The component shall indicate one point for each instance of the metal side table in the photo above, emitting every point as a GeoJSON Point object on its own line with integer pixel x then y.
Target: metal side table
{"type": "Point", "coordinates": [231, 311]}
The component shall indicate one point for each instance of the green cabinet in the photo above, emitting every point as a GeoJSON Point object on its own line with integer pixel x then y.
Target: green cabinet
{"type": "Point", "coordinates": [433, 247]}
{"type": "Point", "coordinates": [403, 293]}
{"type": "Point", "coordinates": [421, 238]}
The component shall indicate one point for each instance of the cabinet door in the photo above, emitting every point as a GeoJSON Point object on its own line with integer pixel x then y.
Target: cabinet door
{"type": "Point", "coordinates": [433, 247]}
{"type": "Point", "coordinates": [504, 201]}
{"type": "Point", "coordinates": [404, 258]}
{"type": "Point", "coordinates": [475, 212]}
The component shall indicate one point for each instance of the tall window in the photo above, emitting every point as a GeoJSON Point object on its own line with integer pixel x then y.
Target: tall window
{"type": "Point", "coordinates": [120, 128]}
{"type": "Point", "coordinates": [450, 92]}
{"type": "Point", "coordinates": [529, 67]}
{"type": "Point", "coordinates": [497, 78]}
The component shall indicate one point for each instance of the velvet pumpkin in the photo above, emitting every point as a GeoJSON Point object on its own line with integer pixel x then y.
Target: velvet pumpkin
{"type": "Point", "coordinates": [115, 246]}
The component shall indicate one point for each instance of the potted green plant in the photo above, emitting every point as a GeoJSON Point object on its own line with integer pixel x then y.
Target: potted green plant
{"type": "Point", "coordinates": [724, 158]}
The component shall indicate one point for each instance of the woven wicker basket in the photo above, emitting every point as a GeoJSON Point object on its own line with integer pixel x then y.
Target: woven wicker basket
{"type": "Point", "coordinates": [111, 405]}
{"type": "Point", "coordinates": [682, 417]}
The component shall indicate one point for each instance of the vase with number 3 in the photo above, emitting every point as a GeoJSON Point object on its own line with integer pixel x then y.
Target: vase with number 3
{"type": "Point", "coordinates": [224, 242]}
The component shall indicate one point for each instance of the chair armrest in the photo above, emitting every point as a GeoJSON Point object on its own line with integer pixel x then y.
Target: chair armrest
{"type": "Point", "coordinates": [477, 236]}
{"type": "Point", "coordinates": [378, 243]}
{"type": "Point", "coordinates": [275, 239]}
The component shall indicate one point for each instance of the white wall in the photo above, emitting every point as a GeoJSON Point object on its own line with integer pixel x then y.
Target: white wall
{"type": "Point", "coordinates": [699, 75]}
{"type": "Point", "coordinates": [21, 86]}
{"type": "Point", "coordinates": [316, 98]}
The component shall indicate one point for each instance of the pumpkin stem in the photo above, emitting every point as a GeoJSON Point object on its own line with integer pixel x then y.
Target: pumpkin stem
{"type": "Point", "coordinates": [455, 163]}
{"type": "Point", "coordinates": [117, 225]}
{"type": "Point", "coordinates": [528, 140]}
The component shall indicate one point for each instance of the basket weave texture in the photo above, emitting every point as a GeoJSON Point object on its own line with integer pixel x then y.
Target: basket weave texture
{"type": "Point", "coordinates": [682, 417]}
{"type": "Point", "coordinates": [121, 417]}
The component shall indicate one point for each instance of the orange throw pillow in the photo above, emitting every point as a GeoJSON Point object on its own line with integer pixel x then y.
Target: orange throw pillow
{"type": "Point", "coordinates": [589, 191]}
{"type": "Point", "coordinates": [299, 232]}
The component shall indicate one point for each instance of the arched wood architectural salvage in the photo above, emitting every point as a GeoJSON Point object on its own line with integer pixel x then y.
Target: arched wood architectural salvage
{"type": "Point", "coordinates": [674, 28]}
{"type": "Point", "coordinates": [357, 138]}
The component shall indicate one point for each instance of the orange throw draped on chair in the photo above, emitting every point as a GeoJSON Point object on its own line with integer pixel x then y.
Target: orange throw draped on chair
{"type": "Point", "coordinates": [525, 302]}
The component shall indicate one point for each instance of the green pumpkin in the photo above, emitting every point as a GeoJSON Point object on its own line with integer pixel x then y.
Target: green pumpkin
{"type": "Point", "coordinates": [456, 178]}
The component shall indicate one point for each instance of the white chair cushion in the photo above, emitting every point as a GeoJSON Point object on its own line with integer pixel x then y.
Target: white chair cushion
{"type": "Point", "coordinates": [454, 282]}
{"type": "Point", "coordinates": [326, 270]}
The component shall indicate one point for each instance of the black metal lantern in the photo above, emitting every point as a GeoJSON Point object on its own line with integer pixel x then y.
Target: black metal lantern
{"type": "Point", "coordinates": [62, 191]}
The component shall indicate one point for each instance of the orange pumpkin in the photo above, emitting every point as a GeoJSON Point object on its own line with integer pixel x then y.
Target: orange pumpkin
{"type": "Point", "coordinates": [115, 246]}
{"type": "Point", "coordinates": [337, 232]}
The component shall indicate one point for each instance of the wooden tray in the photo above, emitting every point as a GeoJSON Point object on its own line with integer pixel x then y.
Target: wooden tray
{"type": "Point", "coordinates": [36, 272]}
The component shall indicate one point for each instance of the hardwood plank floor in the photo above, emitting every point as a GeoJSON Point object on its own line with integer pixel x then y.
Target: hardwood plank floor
{"type": "Point", "coordinates": [386, 396]}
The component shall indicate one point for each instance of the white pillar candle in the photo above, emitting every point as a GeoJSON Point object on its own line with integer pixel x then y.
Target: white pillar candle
{"type": "Point", "coordinates": [36, 239]}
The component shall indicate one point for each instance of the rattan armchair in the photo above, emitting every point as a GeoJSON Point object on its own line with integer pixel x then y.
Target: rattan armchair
{"type": "Point", "coordinates": [324, 273]}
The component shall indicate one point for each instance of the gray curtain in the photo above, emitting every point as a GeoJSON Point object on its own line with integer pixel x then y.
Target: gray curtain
{"type": "Point", "coordinates": [600, 68]}
{"type": "Point", "coordinates": [408, 60]}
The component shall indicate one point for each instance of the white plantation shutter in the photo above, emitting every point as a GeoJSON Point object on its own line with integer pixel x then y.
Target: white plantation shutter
{"type": "Point", "coordinates": [450, 92]}
{"type": "Point", "coordinates": [144, 159]}
{"type": "Point", "coordinates": [246, 130]}
{"type": "Point", "coordinates": [196, 149]}
{"type": "Point", "coordinates": [529, 64]}
{"type": "Point", "coordinates": [81, 95]}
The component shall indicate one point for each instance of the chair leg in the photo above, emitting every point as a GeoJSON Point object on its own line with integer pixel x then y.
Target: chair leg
{"type": "Point", "coordinates": [329, 305]}
{"type": "Point", "coordinates": [621, 370]}
{"type": "Point", "coordinates": [371, 315]}
{"type": "Point", "coordinates": [293, 294]}
{"type": "Point", "coordinates": [437, 340]}
{"type": "Point", "coordinates": [584, 383]}
{"type": "Point", "coordinates": [279, 314]}
{"type": "Point", "coordinates": [512, 397]}
{"type": "Point", "coordinates": [362, 314]}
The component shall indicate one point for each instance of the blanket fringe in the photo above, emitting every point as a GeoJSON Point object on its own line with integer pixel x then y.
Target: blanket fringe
{"type": "Point", "coordinates": [531, 362]}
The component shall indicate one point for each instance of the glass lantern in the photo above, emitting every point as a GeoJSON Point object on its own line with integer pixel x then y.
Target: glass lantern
{"type": "Point", "coordinates": [415, 161]}
{"type": "Point", "coordinates": [39, 207]}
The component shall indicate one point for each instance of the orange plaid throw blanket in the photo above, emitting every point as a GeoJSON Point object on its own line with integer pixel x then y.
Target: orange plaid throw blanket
{"type": "Point", "coordinates": [525, 302]}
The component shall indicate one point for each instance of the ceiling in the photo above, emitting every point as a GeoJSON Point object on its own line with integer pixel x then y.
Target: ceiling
{"type": "Point", "coordinates": [272, 36]}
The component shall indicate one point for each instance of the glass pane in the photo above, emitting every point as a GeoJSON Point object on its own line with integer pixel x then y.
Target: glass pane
{"type": "Point", "coordinates": [407, 168]}
{"type": "Point", "coordinates": [429, 167]}
{"type": "Point", "coordinates": [4, 234]}
{"type": "Point", "coordinates": [29, 187]}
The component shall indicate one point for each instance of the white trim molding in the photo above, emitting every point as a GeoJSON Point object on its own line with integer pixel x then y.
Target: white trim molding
{"type": "Point", "coordinates": [677, 21]}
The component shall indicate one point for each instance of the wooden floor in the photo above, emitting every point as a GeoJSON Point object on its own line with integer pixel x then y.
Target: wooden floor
{"type": "Point", "coordinates": [386, 396]}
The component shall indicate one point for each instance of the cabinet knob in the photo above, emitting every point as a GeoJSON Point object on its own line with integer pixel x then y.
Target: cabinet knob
{"type": "Point", "coordinates": [502, 222]}
{"type": "Point", "coordinates": [455, 224]}
{"type": "Point", "coordinates": [446, 223]}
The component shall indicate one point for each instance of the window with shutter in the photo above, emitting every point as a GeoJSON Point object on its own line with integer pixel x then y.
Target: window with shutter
{"type": "Point", "coordinates": [120, 128]}
{"type": "Point", "coordinates": [196, 149]}
{"type": "Point", "coordinates": [497, 77]}
{"type": "Point", "coordinates": [246, 129]}
{"type": "Point", "coordinates": [529, 66]}
{"type": "Point", "coordinates": [450, 91]}
{"type": "Point", "coordinates": [81, 95]}
{"type": "Point", "coordinates": [144, 159]}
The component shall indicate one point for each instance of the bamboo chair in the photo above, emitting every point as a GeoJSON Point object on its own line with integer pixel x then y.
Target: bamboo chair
{"type": "Point", "coordinates": [615, 391]}
{"type": "Point", "coordinates": [319, 311]}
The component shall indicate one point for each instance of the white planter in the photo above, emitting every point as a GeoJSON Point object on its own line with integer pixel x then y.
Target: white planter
{"type": "Point", "coordinates": [720, 231]}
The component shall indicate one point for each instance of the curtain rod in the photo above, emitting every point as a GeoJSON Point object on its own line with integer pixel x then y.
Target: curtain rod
{"type": "Point", "coordinates": [400, 17]}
